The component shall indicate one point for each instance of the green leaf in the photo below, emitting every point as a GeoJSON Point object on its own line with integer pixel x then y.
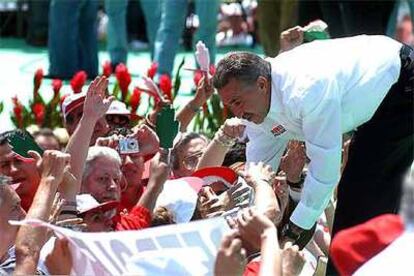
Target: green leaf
{"type": "Point", "coordinates": [1, 107]}
{"type": "Point", "coordinates": [177, 78]}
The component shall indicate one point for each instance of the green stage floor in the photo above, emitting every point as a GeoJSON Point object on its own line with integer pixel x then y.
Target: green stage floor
{"type": "Point", "coordinates": [19, 61]}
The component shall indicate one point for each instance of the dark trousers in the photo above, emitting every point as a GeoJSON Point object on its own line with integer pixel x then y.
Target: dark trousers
{"type": "Point", "coordinates": [380, 154]}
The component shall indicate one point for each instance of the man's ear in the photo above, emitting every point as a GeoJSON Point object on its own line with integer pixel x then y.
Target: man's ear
{"type": "Point", "coordinates": [263, 84]}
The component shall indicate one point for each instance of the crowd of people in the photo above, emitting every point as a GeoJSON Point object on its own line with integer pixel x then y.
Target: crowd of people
{"type": "Point", "coordinates": [300, 128]}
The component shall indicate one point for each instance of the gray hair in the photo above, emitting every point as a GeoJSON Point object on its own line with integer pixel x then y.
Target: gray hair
{"type": "Point", "coordinates": [242, 66]}
{"type": "Point", "coordinates": [184, 140]}
{"type": "Point", "coordinates": [99, 152]}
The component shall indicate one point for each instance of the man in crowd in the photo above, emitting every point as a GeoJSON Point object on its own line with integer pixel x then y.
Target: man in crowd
{"type": "Point", "coordinates": [315, 93]}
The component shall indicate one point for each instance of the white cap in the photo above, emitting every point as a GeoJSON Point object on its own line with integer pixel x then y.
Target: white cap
{"type": "Point", "coordinates": [86, 203]}
{"type": "Point", "coordinates": [72, 102]}
{"type": "Point", "coordinates": [180, 197]}
{"type": "Point", "coordinates": [118, 108]}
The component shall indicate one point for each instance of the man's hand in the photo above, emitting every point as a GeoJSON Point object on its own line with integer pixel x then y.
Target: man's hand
{"type": "Point", "coordinates": [293, 161]}
{"type": "Point", "coordinates": [53, 163]}
{"type": "Point", "coordinates": [159, 168]}
{"type": "Point", "coordinates": [291, 38]}
{"type": "Point", "coordinates": [293, 260]}
{"type": "Point", "coordinates": [96, 104]}
{"type": "Point", "coordinates": [233, 128]}
{"type": "Point", "coordinates": [256, 173]}
{"type": "Point", "coordinates": [59, 261]}
{"type": "Point", "coordinates": [252, 225]}
{"type": "Point", "coordinates": [147, 140]}
{"type": "Point", "coordinates": [209, 204]}
{"type": "Point", "coordinates": [231, 257]}
{"type": "Point", "coordinates": [203, 92]}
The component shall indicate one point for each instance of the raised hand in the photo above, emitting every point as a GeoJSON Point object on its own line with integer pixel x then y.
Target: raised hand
{"type": "Point", "coordinates": [233, 128]}
{"type": "Point", "coordinates": [293, 260]}
{"type": "Point", "coordinates": [255, 173]}
{"type": "Point", "coordinates": [147, 140]}
{"type": "Point", "coordinates": [96, 104]}
{"type": "Point", "coordinates": [231, 257]}
{"type": "Point", "coordinates": [252, 225]}
{"type": "Point", "coordinates": [293, 161]}
{"type": "Point", "coordinates": [203, 92]}
{"type": "Point", "coordinates": [166, 127]}
{"type": "Point", "coordinates": [291, 38]}
{"type": "Point", "coordinates": [53, 163]}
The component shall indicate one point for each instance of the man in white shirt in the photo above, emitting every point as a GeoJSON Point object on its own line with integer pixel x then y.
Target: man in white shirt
{"type": "Point", "coordinates": [315, 93]}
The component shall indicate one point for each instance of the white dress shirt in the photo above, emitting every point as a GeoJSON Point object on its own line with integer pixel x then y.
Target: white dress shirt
{"type": "Point", "coordinates": [321, 90]}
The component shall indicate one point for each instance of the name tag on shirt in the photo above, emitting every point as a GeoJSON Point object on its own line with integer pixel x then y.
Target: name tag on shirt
{"type": "Point", "coordinates": [278, 130]}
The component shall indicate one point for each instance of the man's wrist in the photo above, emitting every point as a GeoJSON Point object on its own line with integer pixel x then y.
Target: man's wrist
{"type": "Point", "coordinates": [88, 121]}
{"type": "Point", "coordinates": [194, 106]}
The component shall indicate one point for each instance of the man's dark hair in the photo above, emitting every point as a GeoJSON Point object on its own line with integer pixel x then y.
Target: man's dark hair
{"type": "Point", "coordinates": [236, 153]}
{"type": "Point", "coordinates": [242, 66]}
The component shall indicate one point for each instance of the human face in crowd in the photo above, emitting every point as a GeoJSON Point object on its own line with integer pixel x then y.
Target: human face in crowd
{"type": "Point", "coordinates": [250, 102]}
{"type": "Point", "coordinates": [72, 121]}
{"type": "Point", "coordinates": [99, 220]}
{"type": "Point", "coordinates": [117, 121]}
{"type": "Point", "coordinates": [104, 180]}
{"type": "Point", "coordinates": [10, 209]}
{"type": "Point", "coordinates": [21, 172]}
{"type": "Point", "coordinates": [132, 168]}
{"type": "Point", "coordinates": [47, 142]}
{"type": "Point", "coordinates": [189, 156]}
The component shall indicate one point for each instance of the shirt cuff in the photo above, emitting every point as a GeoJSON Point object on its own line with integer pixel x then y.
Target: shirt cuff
{"type": "Point", "coordinates": [304, 217]}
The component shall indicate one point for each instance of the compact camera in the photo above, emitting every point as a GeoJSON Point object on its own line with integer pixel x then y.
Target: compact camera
{"type": "Point", "coordinates": [128, 145]}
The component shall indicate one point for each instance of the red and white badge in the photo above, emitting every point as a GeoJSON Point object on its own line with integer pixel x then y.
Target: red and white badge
{"type": "Point", "coordinates": [278, 130]}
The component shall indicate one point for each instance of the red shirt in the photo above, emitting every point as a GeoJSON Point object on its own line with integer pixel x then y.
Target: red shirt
{"type": "Point", "coordinates": [138, 218]}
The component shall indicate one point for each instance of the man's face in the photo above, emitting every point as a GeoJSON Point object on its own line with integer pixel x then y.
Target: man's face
{"type": "Point", "coordinates": [21, 172]}
{"type": "Point", "coordinates": [132, 168]}
{"type": "Point", "coordinates": [47, 142]}
{"type": "Point", "coordinates": [247, 102]}
{"type": "Point", "coordinates": [10, 209]}
{"type": "Point", "coordinates": [189, 155]}
{"type": "Point", "coordinates": [117, 121]}
{"type": "Point", "coordinates": [72, 121]}
{"type": "Point", "coordinates": [99, 221]}
{"type": "Point", "coordinates": [104, 180]}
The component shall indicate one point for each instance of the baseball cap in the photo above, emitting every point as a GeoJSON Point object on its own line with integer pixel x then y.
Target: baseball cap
{"type": "Point", "coordinates": [180, 197]}
{"type": "Point", "coordinates": [218, 178]}
{"type": "Point", "coordinates": [72, 102]}
{"type": "Point", "coordinates": [86, 203]}
{"type": "Point", "coordinates": [118, 108]}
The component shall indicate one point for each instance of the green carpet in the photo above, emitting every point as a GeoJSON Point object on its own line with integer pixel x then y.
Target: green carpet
{"type": "Point", "coordinates": [19, 61]}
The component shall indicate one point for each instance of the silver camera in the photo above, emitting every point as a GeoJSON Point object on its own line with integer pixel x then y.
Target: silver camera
{"type": "Point", "coordinates": [128, 145]}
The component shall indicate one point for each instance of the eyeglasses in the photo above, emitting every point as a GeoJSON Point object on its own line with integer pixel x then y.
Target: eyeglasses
{"type": "Point", "coordinates": [190, 162]}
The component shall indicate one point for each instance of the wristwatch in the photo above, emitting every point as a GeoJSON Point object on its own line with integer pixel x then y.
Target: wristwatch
{"type": "Point", "coordinates": [292, 231]}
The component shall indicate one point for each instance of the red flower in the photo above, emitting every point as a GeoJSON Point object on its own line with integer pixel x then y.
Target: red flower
{"type": "Point", "coordinates": [78, 81]}
{"type": "Point", "coordinates": [18, 111]}
{"type": "Point", "coordinates": [107, 69]}
{"type": "Point", "coordinates": [57, 85]}
{"type": "Point", "coordinates": [212, 69]}
{"type": "Point", "coordinates": [152, 70]}
{"type": "Point", "coordinates": [166, 86]}
{"type": "Point", "coordinates": [135, 99]}
{"type": "Point", "coordinates": [198, 75]}
{"type": "Point", "coordinates": [124, 79]}
{"type": "Point", "coordinates": [37, 80]}
{"type": "Point", "coordinates": [39, 113]}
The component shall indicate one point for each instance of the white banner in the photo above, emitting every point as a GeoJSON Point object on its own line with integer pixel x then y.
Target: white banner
{"type": "Point", "coordinates": [181, 249]}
